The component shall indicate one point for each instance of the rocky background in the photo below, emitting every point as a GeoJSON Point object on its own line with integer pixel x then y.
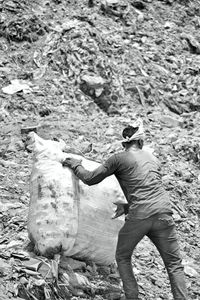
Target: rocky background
{"type": "Point", "coordinates": [80, 70]}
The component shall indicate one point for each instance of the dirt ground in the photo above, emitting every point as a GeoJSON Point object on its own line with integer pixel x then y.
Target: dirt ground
{"type": "Point", "coordinates": [80, 72]}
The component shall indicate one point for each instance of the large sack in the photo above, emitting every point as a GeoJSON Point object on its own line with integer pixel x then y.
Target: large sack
{"type": "Point", "coordinates": [67, 216]}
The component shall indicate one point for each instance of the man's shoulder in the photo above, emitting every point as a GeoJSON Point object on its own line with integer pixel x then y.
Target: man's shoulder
{"type": "Point", "coordinates": [120, 154]}
{"type": "Point", "coordinates": [123, 156]}
{"type": "Point", "coordinates": [140, 153]}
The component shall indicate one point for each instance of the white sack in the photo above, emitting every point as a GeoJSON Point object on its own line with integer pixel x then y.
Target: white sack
{"type": "Point", "coordinates": [65, 214]}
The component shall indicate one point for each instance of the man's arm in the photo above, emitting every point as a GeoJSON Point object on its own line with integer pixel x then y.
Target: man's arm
{"type": "Point", "coordinates": [92, 177]}
{"type": "Point", "coordinates": [95, 176]}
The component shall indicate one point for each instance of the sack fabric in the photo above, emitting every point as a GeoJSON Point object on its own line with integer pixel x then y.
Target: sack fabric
{"type": "Point", "coordinates": [65, 215]}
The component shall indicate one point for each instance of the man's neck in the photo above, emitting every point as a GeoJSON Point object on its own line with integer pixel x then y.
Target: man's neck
{"type": "Point", "coordinates": [132, 148]}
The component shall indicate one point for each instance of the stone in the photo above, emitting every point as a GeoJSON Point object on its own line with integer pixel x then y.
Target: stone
{"type": "Point", "coordinates": [110, 131]}
{"type": "Point", "coordinates": [199, 178]}
{"type": "Point", "coordinates": [169, 25]}
{"type": "Point", "coordinates": [15, 145]}
{"type": "Point", "coordinates": [86, 147]}
{"type": "Point", "coordinates": [191, 272]}
{"type": "Point", "coordinates": [191, 267]}
{"type": "Point", "coordinates": [27, 129]}
{"type": "Point", "coordinates": [76, 280]}
{"type": "Point", "coordinates": [17, 86]}
{"type": "Point", "coordinates": [4, 115]}
{"type": "Point", "coordinates": [4, 268]}
{"type": "Point", "coordinates": [93, 81]}
{"type": "Point", "coordinates": [103, 270]}
{"type": "Point", "coordinates": [74, 264]}
{"type": "Point", "coordinates": [170, 121]}
{"type": "Point", "coordinates": [192, 42]}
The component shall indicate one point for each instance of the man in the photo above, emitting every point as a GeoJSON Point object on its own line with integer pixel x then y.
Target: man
{"type": "Point", "coordinates": [149, 209]}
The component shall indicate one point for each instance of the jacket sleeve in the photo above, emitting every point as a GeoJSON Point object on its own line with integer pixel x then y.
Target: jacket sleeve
{"type": "Point", "coordinates": [93, 177]}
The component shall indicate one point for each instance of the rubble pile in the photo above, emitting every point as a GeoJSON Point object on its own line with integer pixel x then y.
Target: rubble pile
{"type": "Point", "coordinates": [18, 23]}
{"type": "Point", "coordinates": [23, 29]}
{"type": "Point", "coordinates": [81, 70]}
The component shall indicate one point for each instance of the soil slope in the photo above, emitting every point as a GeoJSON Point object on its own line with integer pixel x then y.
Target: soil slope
{"type": "Point", "coordinates": [80, 71]}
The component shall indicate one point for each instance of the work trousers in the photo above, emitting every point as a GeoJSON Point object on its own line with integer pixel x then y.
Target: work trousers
{"type": "Point", "coordinates": [160, 228]}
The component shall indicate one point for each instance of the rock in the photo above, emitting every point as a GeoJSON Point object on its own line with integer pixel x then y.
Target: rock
{"type": "Point", "coordinates": [4, 268]}
{"type": "Point", "coordinates": [188, 176]}
{"type": "Point", "coordinates": [168, 25]}
{"type": "Point", "coordinates": [7, 163]}
{"type": "Point", "coordinates": [191, 272]}
{"type": "Point", "coordinates": [27, 129]}
{"type": "Point", "coordinates": [188, 147]}
{"type": "Point", "coordinates": [140, 17]}
{"type": "Point", "coordinates": [23, 280]}
{"type": "Point", "coordinates": [191, 268]}
{"type": "Point", "coordinates": [172, 137]}
{"type": "Point", "coordinates": [168, 180]}
{"type": "Point", "coordinates": [112, 3]}
{"type": "Point", "coordinates": [93, 81]}
{"type": "Point", "coordinates": [15, 146]}
{"type": "Point", "coordinates": [17, 86]}
{"type": "Point", "coordinates": [66, 262]}
{"type": "Point", "coordinates": [114, 54]}
{"type": "Point", "coordinates": [86, 147]}
{"type": "Point", "coordinates": [90, 3]}
{"type": "Point", "coordinates": [103, 270]}
{"type": "Point", "coordinates": [19, 145]}
{"type": "Point", "coordinates": [12, 146]}
{"type": "Point", "coordinates": [45, 271]}
{"type": "Point", "coordinates": [77, 292]}
{"type": "Point", "coordinates": [6, 206]}
{"type": "Point", "coordinates": [114, 7]}
{"type": "Point", "coordinates": [14, 244]}
{"type": "Point", "coordinates": [192, 42]}
{"type": "Point", "coordinates": [110, 131]}
{"type": "Point", "coordinates": [175, 106]}
{"type": "Point", "coordinates": [115, 276]}
{"type": "Point", "coordinates": [138, 4]}
{"type": "Point", "coordinates": [170, 121]}
{"type": "Point", "coordinates": [92, 269]}
{"type": "Point", "coordinates": [4, 296]}
{"type": "Point", "coordinates": [199, 178]}
{"type": "Point", "coordinates": [75, 280]}
{"type": "Point", "coordinates": [112, 110]}
{"type": "Point", "coordinates": [99, 91]}
{"type": "Point", "coordinates": [32, 264]}
{"type": "Point", "coordinates": [114, 295]}
{"type": "Point", "coordinates": [4, 115]}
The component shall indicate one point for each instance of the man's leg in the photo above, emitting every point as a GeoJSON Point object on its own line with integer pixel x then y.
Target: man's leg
{"type": "Point", "coordinates": [129, 236]}
{"type": "Point", "coordinates": [163, 235]}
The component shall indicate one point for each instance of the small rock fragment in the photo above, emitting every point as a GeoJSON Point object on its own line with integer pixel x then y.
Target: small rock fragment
{"type": "Point", "coordinates": [192, 42]}
{"type": "Point", "coordinates": [191, 272]}
{"type": "Point", "coordinates": [17, 86]}
{"type": "Point", "coordinates": [27, 129]}
{"type": "Point", "coordinates": [110, 131]}
{"type": "Point", "coordinates": [93, 81]}
{"type": "Point", "coordinates": [74, 264]}
{"type": "Point", "coordinates": [4, 268]}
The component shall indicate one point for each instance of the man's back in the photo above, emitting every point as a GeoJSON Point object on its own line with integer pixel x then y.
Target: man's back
{"type": "Point", "coordinates": [138, 173]}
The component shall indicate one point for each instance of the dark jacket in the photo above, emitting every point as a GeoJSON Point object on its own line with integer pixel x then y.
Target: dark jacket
{"type": "Point", "coordinates": [138, 173]}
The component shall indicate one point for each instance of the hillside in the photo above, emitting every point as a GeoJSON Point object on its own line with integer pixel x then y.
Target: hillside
{"type": "Point", "coordinates": [80, 70]}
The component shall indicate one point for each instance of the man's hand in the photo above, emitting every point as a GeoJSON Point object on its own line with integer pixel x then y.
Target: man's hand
{"type": "Point", "coordinates": [71, 163]}
{"type": "Point", "coordinates": [120, 210]}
